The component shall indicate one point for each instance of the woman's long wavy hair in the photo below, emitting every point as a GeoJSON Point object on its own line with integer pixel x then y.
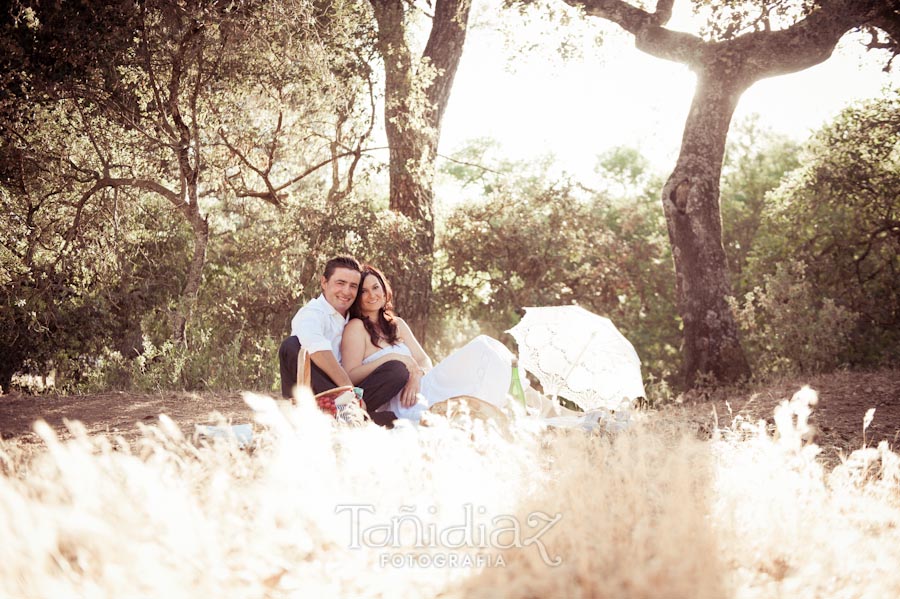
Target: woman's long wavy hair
{"type": "Point", "coordinates": [386, 327]}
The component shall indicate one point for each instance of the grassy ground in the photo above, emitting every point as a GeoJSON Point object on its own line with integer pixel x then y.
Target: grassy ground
{"type": "Point", "coordinates": [677, 506]}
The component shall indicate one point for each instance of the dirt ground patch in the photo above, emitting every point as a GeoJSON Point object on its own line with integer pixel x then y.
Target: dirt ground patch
{"type": "Point", "coordinates": [112, 414]}
{"type": "Point", "coordinates": [844, 398]}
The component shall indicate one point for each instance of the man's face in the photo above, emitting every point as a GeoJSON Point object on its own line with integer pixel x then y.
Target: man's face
{"type": "Point", "coordinates": [340, 290]}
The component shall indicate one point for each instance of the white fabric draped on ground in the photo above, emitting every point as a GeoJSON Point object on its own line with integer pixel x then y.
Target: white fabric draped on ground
{"type": "Point", "coordinates": [481, 368]}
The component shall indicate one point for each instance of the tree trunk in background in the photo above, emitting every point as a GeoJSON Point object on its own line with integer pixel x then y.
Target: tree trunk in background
{"type": "Point", "coordinates": [416, 94]}
{"type": "Point", "coordinates": [189, 295]}
{"type": "Point", "coordinates": [690, 197]}
{"type": "Point", "coordinates": [690, 200]}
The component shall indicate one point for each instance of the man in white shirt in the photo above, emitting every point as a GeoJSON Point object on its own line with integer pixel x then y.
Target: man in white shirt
{"type": "Point", "coordinates": [318, 327]}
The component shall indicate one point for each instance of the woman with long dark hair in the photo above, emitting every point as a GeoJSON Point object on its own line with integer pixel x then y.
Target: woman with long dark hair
{"type": "Point", "coordinates": [376, 335]}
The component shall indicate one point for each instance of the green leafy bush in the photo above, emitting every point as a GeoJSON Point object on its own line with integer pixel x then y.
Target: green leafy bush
{"type": "Point", "coordinates": [838, 213]}
{"type": "Point", "coordinates": [788, 326]}
{"type": "Point", "coordinates": [238, 363]}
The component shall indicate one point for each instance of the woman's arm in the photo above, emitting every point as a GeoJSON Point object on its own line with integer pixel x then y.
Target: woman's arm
{"type": "Point", "coordinates": [409, 393]}
{"type": "Point", "coordinates": [418, 354]}
{"type": "Point", "coordinates": [353, 351]}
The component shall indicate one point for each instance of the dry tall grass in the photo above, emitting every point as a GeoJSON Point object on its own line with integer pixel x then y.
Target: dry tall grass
{"type": "Point", "coordinates": [652, 512]}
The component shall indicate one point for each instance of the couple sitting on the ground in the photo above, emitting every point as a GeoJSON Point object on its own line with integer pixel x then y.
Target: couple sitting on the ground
{"type": "Point", "coordinates": [354, 338]}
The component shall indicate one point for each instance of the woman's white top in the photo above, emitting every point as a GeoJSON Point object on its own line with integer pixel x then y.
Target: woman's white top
{"type": "Point", "coordinates": [481, 368]}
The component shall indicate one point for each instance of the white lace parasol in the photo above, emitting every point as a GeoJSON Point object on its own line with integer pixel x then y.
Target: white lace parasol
{"type": "Point", "coordinates": [578, 355]}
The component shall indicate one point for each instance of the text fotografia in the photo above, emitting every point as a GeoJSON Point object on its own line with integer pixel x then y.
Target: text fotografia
{"type": "Point", "coordinates": [440, 560]}
{"type": "Point", "coordinates": [408, 530]}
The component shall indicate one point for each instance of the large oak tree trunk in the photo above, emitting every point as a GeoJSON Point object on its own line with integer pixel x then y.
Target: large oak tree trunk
{"type": "Point", "coordinates": [690, 200]}
{"type": "Point", "coordinates": [413, 148]}
{"type": "Point", "coordinates": [416, 94]}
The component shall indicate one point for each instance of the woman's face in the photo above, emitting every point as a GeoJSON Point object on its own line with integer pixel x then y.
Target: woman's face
{"type": "Point", "coordinates": [372, 295]}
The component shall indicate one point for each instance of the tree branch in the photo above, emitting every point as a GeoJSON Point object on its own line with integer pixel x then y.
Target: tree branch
{"type": "Point", "coordinates": [307, 172]}
{"type": "Point", "coordinates": [472, 164]}
{"type": "Point", "coordinates": [663, 12]}
{"type": "Point", "coordinates": [649, 34]}
{"type": "Point", "coordinates": [105, 182]}
{"type": "Point", "coordinates": [271, 194]}
{"type": "Point", "coordinates": [138, 183]}
{"type": "Point", "coordinates": [162, 122]}
{"type": "Point", "coordinates": [323, 163]}
{"type": "Point", "coordinates": [806, 43]}
{"type": "Point", "coordinates": [890, 24]}
{"type": "Point", "coordinates": [443, 50]}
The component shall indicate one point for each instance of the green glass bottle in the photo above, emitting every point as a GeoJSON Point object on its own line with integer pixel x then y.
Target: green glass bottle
{"type": "Point", "coordinates": [515, 385]}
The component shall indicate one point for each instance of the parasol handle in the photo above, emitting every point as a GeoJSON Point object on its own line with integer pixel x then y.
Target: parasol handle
{"type": "Point", "coordinates": [580, 354]}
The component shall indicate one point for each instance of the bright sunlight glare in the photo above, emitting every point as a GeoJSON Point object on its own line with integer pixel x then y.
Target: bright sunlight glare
{"type": "Point", "coordinates": [536, 102]}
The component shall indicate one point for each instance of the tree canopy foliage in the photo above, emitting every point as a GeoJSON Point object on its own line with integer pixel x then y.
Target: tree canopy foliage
{"type": "Point", "coordinates": [206, 107]}
{"type": "Point", "coordinates": [838, 216]}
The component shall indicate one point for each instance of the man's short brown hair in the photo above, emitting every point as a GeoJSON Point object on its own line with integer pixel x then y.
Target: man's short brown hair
{"type": "Point", "coordinates": [348, 262]}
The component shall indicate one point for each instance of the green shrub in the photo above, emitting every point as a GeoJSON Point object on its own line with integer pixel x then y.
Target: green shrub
{"type": "Point", "coordinates": [788, 326]}
{"type": "Point", "coordinates": [838, 213]}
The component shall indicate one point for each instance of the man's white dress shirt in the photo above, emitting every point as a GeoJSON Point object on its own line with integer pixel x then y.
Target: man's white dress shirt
{"type": "Point", "coordinates": [319, 327]}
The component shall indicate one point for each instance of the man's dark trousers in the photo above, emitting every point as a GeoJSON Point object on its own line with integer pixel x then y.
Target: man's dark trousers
{"type": "Point", "coordinates": [385, 382]}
